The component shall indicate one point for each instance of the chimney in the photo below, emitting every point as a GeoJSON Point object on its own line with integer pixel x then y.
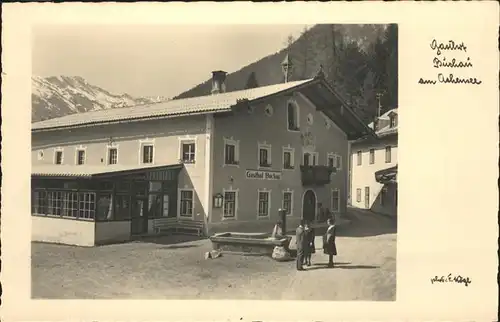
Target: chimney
{"type": "Point", "coordinates": [218, 82]}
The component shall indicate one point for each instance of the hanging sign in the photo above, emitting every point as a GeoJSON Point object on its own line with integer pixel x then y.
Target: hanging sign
{"type": "Point", "coordinates": [263, 175]}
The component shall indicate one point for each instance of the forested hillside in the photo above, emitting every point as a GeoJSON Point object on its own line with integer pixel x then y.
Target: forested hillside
{"type": "Point", "coordinates": [360, 61]}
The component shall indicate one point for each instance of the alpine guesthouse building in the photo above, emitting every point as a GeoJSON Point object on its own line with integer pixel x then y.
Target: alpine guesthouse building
{"type": "Point", "coordinates": [226, 161]}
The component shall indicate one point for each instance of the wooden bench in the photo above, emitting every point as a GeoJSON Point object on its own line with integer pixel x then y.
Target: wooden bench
{"type": "Point", "coordinates": [164, 224]}
{"type": "Point", "coordinates": [177, 225]}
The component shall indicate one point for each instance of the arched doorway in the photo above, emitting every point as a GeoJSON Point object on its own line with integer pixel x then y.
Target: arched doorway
{"type": "Point", "coordinates": [309, 205]}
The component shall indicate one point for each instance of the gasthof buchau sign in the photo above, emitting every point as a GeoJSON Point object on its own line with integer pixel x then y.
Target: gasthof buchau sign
{"type": "Point", "coordinates": [263, 175]}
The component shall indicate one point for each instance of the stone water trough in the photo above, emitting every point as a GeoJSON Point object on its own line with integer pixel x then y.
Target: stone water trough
{"type": "Point", "coordinates": [260, 244]}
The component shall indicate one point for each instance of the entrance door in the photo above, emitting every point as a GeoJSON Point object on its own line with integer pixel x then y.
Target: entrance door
{"type": "Point", "coordinates": [309, 206]}
{"type": "Point", "coordinates": [367, 197]}
{"type": "Point", "coordinates": [139, 222]}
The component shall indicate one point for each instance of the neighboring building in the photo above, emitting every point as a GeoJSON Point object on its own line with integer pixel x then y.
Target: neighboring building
{"type": "Point", "coordinates": [374, 167]}
{"type": "Point", "coordinates": [228, 160]}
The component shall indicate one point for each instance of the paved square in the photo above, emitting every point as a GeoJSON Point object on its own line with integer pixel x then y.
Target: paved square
{"type": "Point", "coordinates": [173, 267]}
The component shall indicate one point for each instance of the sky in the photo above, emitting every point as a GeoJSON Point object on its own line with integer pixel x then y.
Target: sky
{"type": "Point", "coordinates": [154, 60]}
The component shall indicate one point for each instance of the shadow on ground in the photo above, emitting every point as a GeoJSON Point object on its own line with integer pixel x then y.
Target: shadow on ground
{"type": "Point", "coordinates": [170, 240]}
{"type": "Point", "coordinates": [340, 265]}
{"type": "Point", "coordinates": [367, 224]}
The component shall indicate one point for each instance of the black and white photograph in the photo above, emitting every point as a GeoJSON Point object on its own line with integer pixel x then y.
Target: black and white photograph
{"type": "Point", "coordinates": [250, 162]}
{"type": "Point", "coordinates": [215, 161]}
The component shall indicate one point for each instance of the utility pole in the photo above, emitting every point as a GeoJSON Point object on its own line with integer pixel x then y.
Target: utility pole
{"type": "Point", "coordinates": [379, 108]}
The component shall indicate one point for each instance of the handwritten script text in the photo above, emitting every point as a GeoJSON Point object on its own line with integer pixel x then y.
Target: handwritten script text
{"type": "Point", "coordinates": [440, 61]}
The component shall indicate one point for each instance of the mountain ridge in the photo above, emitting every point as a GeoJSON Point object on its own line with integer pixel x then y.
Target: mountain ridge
{"type": "Point", "coordinates": [56, 96]}
{"type": "Point", "coordinates": [359, 61]}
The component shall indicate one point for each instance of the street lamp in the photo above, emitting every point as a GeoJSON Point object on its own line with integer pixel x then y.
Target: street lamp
{"type": "Point", "coordinates": [218, 198]}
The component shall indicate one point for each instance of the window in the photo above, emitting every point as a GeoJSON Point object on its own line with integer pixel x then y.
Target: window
{"type": "Point", "coordinates": [288, 202]}
{"type": "Point", "coordinates": [39, 202]}
{"type": "Point", "coordinates": [231, 152]}
{"type": "Point", "coordinates": [358, 195]}
{"type": "Point", "coordinates": [305, 159]}
{"type": "Point", "coordinates": [58, 159]}
{"type": "Point", "coordinates": [112, 156]}
{"type": "Point", "coordinates": [87, 205]}
{"type": "Point", "coordinates": [122, 207]}
{"type": "Point", "coordinates": [264, 156]}
{"type": "Point", "coordinates": [338, 159]}
{"type": "Point", "coordinates": [147, 153]}
{"type": "Point", "coordinates": [392, 121]}
{"type": "Point", "coordinates": [229, 206]}
{"type": "Point", "coordinates": [104, 207]}
{"type": "Point", "coordinates": [310, 158]}
{"type": "Point", "coordinates": [387, 154]}
{"type": "Point", "coordinates": [293, 117]}
{"type": "Point", "coordinates": [186, 204]}
{"type": "Point", "coordinates": [264, 203]}
{"type": "Point", "coordinates": [372, 156]}
{"type": "Point", "coordinates": [70, 204]}
{"type": "Point", "coordinates": [188, 152]}
{"type": "Point", "coordinates": [331, 160]}
{"type": "Point", "coordinates": [80, 157]}
{"type": "Point", "coordinates": [336, 200]}
{"type": "Point", "coordinates": [359, 156]}
{"type": "Point", "coordinates": [288, 158]}
{"type": "Point", "coordinates": [166, 205]}
{"type": "Point", "coordinates": [155, 205]}
{"type": "Point", "coordinates": [78, 205]}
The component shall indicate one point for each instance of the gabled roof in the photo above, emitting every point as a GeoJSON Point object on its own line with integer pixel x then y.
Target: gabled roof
{"type": "Point", "coordinates": [386, 130]}
{"type": "Point", "coordinates": [93, 171]}
{"type": "Point", "coordinates": [387, 175]}
{"type": "Point", "coordinates": [189, 106]}
{"type": "Point", "coordinates": [315, 89]}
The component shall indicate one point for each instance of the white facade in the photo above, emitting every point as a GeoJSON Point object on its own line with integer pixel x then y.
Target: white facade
{"type": "Point", "coordinates": [368, 157]}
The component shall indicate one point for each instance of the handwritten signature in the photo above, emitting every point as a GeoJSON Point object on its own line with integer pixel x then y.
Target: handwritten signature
{"type": "Point", "coordinates": [451, 279]}
{"type": "Point", "coordinates": [440, 61]}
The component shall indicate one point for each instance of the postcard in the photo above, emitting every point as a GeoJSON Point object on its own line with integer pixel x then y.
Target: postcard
{"type": "Point", "coordinates": [250, 161]}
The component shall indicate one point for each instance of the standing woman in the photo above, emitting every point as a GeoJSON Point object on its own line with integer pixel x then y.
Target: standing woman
{"type": "Point", "coordinates": [329, 246]}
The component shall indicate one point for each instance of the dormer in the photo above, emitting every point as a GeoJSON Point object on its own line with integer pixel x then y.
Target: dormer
{"type": "Point", "coordinates": [393, 119]}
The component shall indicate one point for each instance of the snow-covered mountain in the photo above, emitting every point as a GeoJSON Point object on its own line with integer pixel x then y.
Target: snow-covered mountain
{"type": "Point", "coordinates": [62, 95]}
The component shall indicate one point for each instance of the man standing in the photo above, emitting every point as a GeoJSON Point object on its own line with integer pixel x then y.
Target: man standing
{"type": "Point", "coordinates": [329, 246]}
{"type": "Point", "coordinates": [300, 241]}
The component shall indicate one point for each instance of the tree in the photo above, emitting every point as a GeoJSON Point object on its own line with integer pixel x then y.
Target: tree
{"type": "Point", "coordinates": [252, 81]}
{"type": "Point", "coordinates": [304, 53]}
